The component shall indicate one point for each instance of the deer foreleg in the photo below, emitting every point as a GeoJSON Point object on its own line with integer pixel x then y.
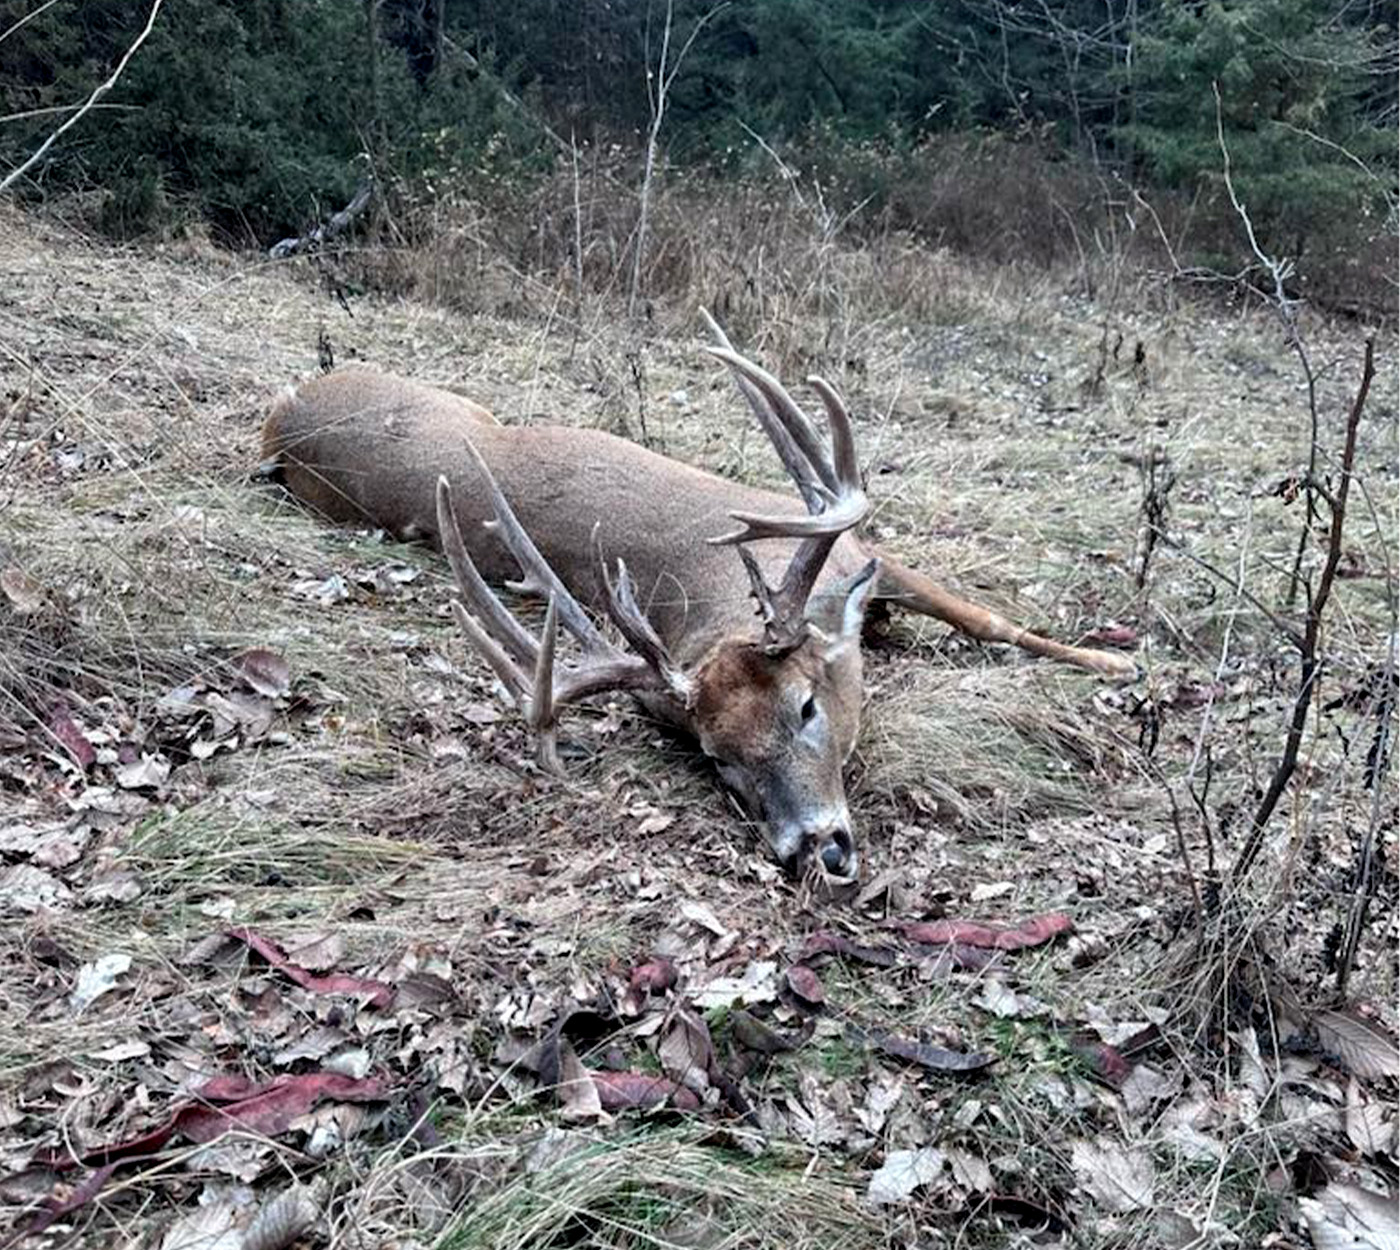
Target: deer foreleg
{"type": "Point", "coordinates": [905, 588]}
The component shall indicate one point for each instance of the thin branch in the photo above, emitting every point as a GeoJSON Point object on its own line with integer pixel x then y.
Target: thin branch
{"type": "Point", "coordinates": [97, 94]}
{"type": "Point", "coordinates": [27, 18]}
{"type": "Point", "coordinates": [1310, 660]}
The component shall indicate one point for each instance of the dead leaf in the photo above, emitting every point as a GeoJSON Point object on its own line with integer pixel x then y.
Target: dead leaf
{"type": "Point", "coordinates": [698, 913]}
{"type": "Point", "coordinates": [757, 985]}
{"type": "Point", "coordinates": [806, 985]}
{"type": "Point", "coordinates": [1370, 1125]}
{"type": "Point", "coordinates": [1365, 1048]}
{"type": "Point", "coordinates": [1347, 1217]}
{"type": "Point", "coordinates": [229, 1103]}
{"type": "Point", "coordinates": [578, 1096]}
{"type": "Point", "coordinates": [26, 596]}
{"type": "Point", "coordinates": [826, 942]}
{"type": "Point", "coordinates": [927, 1055]}
{"type": "Point", "coordinates": [150, 772]}
{"type": "Point", "coordinates": [1033, 932]}
{"type": "Point", "coordinates": [266, 672]}
{"type": "Point", "coordinates": [25, 888]}
{"type": "Point", "coordinates": [902, 1172]}
{"type": "Point", "coordinates": [97, 978]}
{"type": "Point", "coordinates": [1119, 1179]}
{"type": "Point", "coordinates": [757, 1035]}
{"type": "Point", "coordinates": [1002, 1001]}
{"type": "Point", "coordinates": [686, 1053]}
{"type": "Point", "coordinates": [970, 1171]}
{"type": "Point", "coordinates": [376, 993]}
{"type": "Point", "coordinates": [622, 1091]}
{"type": "Point", "coordinates": [65, 730]}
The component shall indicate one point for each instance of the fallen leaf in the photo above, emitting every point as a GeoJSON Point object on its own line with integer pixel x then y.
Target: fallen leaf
{"type": "Point", "coordinates": [265, 672]}
{"type": "Point", "coordinates": [622, 1091]}
{"type": "Point", "coordinates": [376, 993]}
{"type": "Point", "coordinates": [1033, 932]}
{"type": "Point", "coordinates": [228, 1103]}
{"type": "Point", "coordinates": [97, 978]}
{"type": "Point", "coordinates": [902, 1172]}
{"type": "Point", "coordinates": [578, 1095]}
{"type": "Point", "coordinates": [25, 888]}
{"type": "Point", "coordinates": [827, 943]}
{"type": "Point", "coordinates": [1366, 1049]}
{"type": "Point", "coordinates": [927, 1055]}
{"type": "Point", "coordinates": [686, 1053]}
{"type": "Point", "coordinates": [150, 772]}
{"type": "Point", "coordinates": [758, 1036]}
{"type": "Point", "coordinates": [65, 729]}
{"type": "Point", "coordinates": [757, 985]}
{"type": "Point", "coordinates": [1370, 1125]}
{"type": "Point", "coordinates": [806, 985]}
{"type": "Point", "coordinates": [26, 596]}
{"type": "Point", "coordinates": [698, 913]}
{"type": "Point", "coordinates": [1347, 1217]}
{"type": "Point", "coordinates": [1119, 1179]}
{"type": "Point", "coordinates": [969, 1170]}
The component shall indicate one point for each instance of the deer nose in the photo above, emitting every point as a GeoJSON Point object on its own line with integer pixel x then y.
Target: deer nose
{"type": "Point", "coordinates": [838, 853]}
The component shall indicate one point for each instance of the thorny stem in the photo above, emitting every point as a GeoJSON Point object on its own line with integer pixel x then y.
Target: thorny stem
{"type": "Point", "coordinates": [1309, 659]}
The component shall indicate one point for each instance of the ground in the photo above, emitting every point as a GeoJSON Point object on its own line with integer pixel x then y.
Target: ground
{"type": "Point", "coordinates": [273, 841]}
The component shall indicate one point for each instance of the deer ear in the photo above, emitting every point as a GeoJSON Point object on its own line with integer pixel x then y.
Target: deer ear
{"type": "Point", "coordinates": [835, 617]}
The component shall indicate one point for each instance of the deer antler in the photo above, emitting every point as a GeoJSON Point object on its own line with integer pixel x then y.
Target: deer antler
{"type": "Point", "coordinates": [830, 486]}
{"type": "Point", "coordinates": [525, 664]}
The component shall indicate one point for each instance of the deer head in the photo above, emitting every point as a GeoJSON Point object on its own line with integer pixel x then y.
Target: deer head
{"type": "Point", "coordinates": [778, 714]}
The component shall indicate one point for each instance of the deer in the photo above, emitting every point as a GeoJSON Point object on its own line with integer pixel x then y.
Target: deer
{"type": "Point", "coordinates": [757, 658]}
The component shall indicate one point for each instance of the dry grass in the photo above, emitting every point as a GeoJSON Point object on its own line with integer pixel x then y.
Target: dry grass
{"type": "Point", "coordinates": [999, 429]}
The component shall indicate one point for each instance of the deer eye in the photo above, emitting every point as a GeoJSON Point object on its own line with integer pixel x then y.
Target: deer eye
{"type": "Point", "coordinates": [809, 708]}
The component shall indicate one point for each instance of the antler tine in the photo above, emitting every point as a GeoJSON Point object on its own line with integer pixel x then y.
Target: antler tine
{"type": "Point", "coordinates": [799, 468]}
{"type": "Point", "coordinates": [538, 578]}
{"type": "Point", "coordinates": [479, 596]}
{"type": "Point", "coordinates": [637, 630]}
{"type": "Point", "coordinates": [843, 439]}
{"type": "Point", "coordinates": [796, 423]}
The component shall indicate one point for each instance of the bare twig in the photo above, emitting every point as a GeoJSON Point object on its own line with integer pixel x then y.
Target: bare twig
{"type": "Point", "coordinates": [1286, 307]}
{"type": "Point", "coordinates": [98, 92]}
{"type": "Point", "coordinates": [1310, 659]}
{"type": "Point", "coordinates": [26, 19]}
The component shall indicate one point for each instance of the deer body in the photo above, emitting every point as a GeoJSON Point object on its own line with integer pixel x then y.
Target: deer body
{"type": "Point", "coordinates": [758, 658]}
{"type": "Point", "coordinates": [368, 448]}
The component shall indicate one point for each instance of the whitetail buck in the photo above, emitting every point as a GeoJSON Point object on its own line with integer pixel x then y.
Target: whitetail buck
{"type": "Point", "coordinates": [587, 520]}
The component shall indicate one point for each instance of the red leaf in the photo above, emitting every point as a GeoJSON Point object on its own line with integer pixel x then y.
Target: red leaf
{"type": "Point", "coordinates": [71, 738]}
{"type": "Point", "coordinates": [805, 983]}
{"type": "Point", "coordinates": [377, 993]}
{"type": "Point", "coordinates": [1105, 1061]}
{"type": "Point", "coordinates": [653, 977]}
{"type": "Point", "coordinates": [1033, 932]}
{"type": "Point", "coordinates": [273, 1107]}
{"type": "Point", "coordinates": [267, 1109]}
{"type": "Point", "coordinates": [826, 942]}
{"type": "Point", "coordinates": [84, 1193]}
{"type": "Point", "coordinates": [622, 1091]}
